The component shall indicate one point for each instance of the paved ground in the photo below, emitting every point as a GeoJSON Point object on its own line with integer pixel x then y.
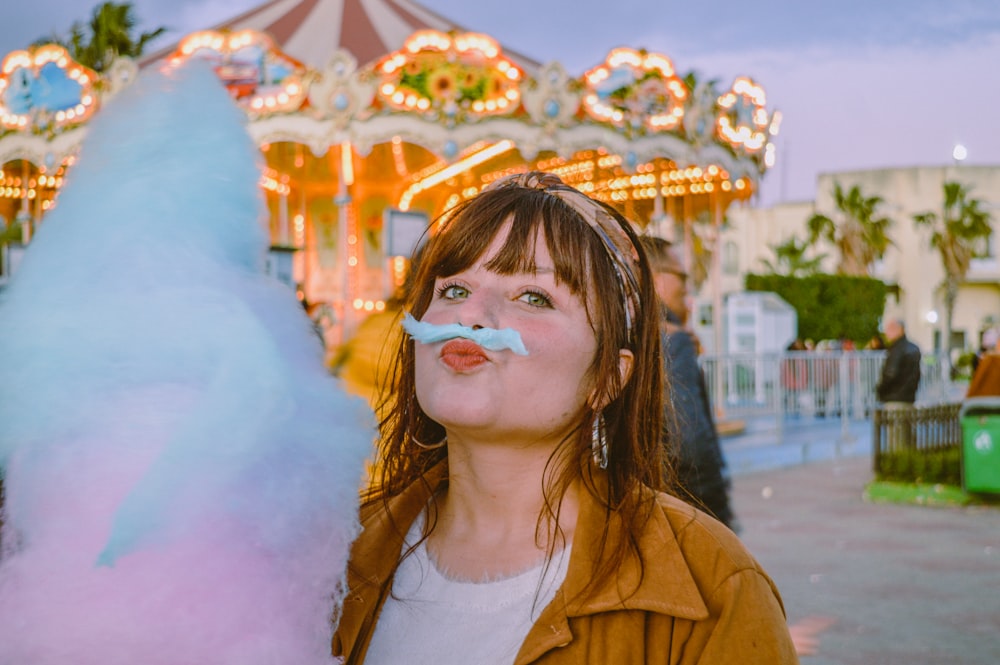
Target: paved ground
{"type": "Point", "coordinates": [766, 443]}
{"type": "Point", "coordinates": [898, 584]}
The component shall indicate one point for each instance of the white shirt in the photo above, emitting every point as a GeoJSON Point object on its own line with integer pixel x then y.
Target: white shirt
{"type": "Point", "coordinates": [430, 619]}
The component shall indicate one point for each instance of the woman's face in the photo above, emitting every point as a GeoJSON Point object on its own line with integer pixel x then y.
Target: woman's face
{"type": "Point", "coordinates": [497, 396]}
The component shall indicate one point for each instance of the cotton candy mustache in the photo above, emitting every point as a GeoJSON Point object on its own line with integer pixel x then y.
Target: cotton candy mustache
{"type": "Point", "coordinates": [488, 338]}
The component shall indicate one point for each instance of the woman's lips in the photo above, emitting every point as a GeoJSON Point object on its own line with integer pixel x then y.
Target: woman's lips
{"type": "Point", "coordinates": [462, 355]}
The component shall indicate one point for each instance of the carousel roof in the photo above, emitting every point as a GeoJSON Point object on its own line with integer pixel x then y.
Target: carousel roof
{"type": "Point", "coordinates": [366, 77]}
{"type": "Point", "coordinates": [311, 31]}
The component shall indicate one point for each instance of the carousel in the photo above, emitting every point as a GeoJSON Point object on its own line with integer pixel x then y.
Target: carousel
{"type": "Point", "coordinates": [367, 137]}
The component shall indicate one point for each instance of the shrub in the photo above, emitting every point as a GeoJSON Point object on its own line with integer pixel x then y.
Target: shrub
{"type": "Point", "coordinates": [829, 306]}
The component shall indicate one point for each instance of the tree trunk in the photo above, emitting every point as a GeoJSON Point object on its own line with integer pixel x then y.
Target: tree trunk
{"type": "Point", "coordinates": [950, 296]}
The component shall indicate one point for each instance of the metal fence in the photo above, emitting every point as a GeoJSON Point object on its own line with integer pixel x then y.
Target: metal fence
{"type": "Point", "coordinates": [922, 443]}
{"type": "Point", "coordinates": [794, 385]}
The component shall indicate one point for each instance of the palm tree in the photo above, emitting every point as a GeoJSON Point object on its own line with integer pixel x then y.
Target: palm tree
{"type": "Point", "coordinates": [108, 34]}
{"type": "Point", "coordinates": [957, 234]}
{"type": "Point", "coordinates": [861, 235]}
{"type": "Point", "coordinates": [790, 259]}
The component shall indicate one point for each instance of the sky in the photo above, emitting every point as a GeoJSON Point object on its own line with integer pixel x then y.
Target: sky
{"type": "Point", "coordinates": [861, 84]}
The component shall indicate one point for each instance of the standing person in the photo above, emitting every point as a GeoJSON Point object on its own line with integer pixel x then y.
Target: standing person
{"type": "Point", "coordinates": [897, 388]}
{"type": "Point", "coordinates": [794, 376]}
{"type": "Point", "coordinates": [986, 374]}
{"type": "Point", "coordinates": [900, 378]}
{"type": "Point", "coordinates": [689, 435]}
{"type": "Point", "coordinates": [517, 518]}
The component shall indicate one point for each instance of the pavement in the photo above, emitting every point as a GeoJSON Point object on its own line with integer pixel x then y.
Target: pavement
{"type": "Point", "coordinates": [866, 583]}
{"type": "Point", "coordinates": [767, 443]}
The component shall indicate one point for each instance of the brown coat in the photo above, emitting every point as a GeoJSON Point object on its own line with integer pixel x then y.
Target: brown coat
{"type": "Point", "coordinates": [986, 381]}
{"type": "Point", "coordinates": [702, 598]}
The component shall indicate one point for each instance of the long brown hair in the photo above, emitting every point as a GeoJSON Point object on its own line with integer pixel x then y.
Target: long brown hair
{"type": "Point", "coordinates": [632, 409]}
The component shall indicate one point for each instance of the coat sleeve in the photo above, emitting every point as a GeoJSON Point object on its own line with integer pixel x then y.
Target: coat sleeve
{"type": "Point", "coordinates": [890, 374]}
{"type": "Point", "coordinates": [750, 628]}
{"type": "Point", "coordinates": [693, 426]}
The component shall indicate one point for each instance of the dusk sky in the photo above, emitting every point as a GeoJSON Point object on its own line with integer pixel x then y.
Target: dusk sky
{"type": "Point", "coordinates": [860, 83]}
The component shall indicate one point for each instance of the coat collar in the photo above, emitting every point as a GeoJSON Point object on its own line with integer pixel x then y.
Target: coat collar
{"type": "Point", "coordinates": [664, 585]}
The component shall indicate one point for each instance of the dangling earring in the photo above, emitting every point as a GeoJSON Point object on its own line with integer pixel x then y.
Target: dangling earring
{"type": "Point", "coordinates": [433, 446]}
{"type": "Point", "coordinates": [599, 442]}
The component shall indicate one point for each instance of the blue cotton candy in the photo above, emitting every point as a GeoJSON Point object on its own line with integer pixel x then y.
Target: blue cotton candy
{"type": "Point", "coordinates": [180, 471]}
{"type": "Point", "coordinates": [488, 338]}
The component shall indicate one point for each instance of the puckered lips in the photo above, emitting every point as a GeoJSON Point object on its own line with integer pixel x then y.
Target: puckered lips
{"type": "Point", "coordinates": [463, 355]}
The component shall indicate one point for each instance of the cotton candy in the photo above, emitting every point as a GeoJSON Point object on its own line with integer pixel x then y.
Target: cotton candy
{"type": "Point", "coordinates": [181, 472]}
{"type": "Point", "coordinates": [488, 338]}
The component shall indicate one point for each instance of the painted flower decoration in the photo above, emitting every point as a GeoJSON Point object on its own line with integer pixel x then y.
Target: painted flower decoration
{"type": "Point", "coordinates": [441, 84]}
{"type": "Point", "coordinates": [451, 74]}
{"type": "Point", "coordinates": [636, 90]}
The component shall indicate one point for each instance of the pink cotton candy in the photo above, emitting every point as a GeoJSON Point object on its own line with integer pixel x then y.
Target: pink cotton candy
{"type": "Point", "coordinates": [181, 472]}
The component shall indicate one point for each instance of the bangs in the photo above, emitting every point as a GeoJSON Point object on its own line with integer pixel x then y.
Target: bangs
{"type": "Point", "coordinates": [570, 243]}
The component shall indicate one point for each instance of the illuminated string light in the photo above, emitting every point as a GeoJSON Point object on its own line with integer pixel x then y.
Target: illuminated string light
{"type": "Point", "coordinates": [287, 95]}
{"type": "Point", "coordinates": [460, 166]}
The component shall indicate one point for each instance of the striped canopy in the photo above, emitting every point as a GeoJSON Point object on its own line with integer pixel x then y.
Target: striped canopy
{"type": "Point", "coordinates": [312, 30]}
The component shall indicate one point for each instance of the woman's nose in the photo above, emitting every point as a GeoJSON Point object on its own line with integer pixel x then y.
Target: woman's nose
{"type": "Point", "coordinates": [480, 310]}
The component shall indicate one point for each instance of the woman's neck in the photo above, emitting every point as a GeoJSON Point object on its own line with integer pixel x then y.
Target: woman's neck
{"type": "Point", "coordinates": [488, 523]}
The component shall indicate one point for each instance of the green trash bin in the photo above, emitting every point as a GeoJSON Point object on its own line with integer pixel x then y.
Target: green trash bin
{"type": "Point", "coordinates": [980, 419]}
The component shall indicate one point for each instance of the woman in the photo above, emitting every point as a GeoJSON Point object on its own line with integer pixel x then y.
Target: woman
{"type": "Point", "coordinates": [516, 518]}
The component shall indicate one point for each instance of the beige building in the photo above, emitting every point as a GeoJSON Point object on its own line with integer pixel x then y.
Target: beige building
{"type": "Point", "coordinates": [910, 265]}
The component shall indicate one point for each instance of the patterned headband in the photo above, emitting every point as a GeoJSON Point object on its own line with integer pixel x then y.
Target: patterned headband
{"type": "Point", "coordinates": [616, 241]}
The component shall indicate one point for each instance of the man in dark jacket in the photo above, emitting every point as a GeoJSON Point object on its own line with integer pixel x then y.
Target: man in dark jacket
{"type": "Point", "coordinates": [897, 389]}
{"type": "Point", "coordinates": [691, 441]}
{"type": "Point", "coordinates": [901, 371]}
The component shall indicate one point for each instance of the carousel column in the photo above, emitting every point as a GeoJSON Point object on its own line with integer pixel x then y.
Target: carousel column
{"type": "Point", "coordinates": [348, 241]}
{"type": "Point", "coordinates": [717, 317]}
{"type": "Point", "coordinates": [283, 238]}
{"type": "Point", "coordinates": [24, 217]}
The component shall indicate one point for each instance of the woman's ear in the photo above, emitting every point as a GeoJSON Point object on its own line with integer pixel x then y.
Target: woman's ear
{"type": "Point", "coordinates": [625, 359]}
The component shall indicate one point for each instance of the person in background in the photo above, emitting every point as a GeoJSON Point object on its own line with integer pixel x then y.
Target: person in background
{"type": "Point", "coordinates": [897, 387]}
{"type": "Point", "coordinates": [875, 343]}
{"type": "Point", "coordinates": [517, 517]}
{"type": "Point", "coordinates": [986, 376]}
{"type": "Point", "coordinates": [690, 439]}
{"type": "Point", "coordinates": [794, 376]}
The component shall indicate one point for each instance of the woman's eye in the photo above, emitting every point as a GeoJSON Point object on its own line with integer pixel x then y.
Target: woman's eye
{"type": "Point", "coordinates": [536, 299]}
{"type": "Point", "coordinates": [453, 291]}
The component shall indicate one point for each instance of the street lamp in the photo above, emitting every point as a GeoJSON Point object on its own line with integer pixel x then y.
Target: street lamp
{"type": "Point", "coordinates": [959, 153]}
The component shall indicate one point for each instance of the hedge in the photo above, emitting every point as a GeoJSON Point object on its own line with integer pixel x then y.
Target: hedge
{"type": "Point", "coordinates": [829, 306]}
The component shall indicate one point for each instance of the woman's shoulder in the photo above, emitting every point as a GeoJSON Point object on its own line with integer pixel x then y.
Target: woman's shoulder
{"type": "Point", "coordinates": [719, 564]}
{"type": "Point", "coordinates": [701, 537]}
